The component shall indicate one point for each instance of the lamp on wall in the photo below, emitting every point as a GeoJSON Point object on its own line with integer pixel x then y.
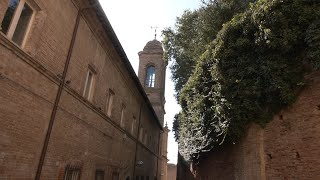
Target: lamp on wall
{"type": "Point", "coordinates": [139, 163]}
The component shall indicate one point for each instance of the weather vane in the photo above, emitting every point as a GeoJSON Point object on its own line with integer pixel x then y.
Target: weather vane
{"type": "Point", "coordinates": [155, 31]}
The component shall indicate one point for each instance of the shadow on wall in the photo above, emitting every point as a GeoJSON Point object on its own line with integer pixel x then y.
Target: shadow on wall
{"type": "Point", "coordinates": [183, 169]}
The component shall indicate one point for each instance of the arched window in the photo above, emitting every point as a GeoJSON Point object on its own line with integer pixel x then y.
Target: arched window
{"type": "Point", "coordinates": [150, 76]}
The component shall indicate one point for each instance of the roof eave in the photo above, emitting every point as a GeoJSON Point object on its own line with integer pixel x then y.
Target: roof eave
{"type": "Point", "coordinates": [117, 45]}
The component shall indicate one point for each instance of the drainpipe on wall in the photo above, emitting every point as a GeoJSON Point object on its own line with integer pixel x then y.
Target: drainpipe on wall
{"type": "Point", "coordinates": [159, 156]}
{"type": "Point", "coordinates": [135, 154]}
{"type": "Point", "coordinates": [58, 96]}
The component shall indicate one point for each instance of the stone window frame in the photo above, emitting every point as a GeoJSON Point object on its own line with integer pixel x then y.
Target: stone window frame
{"type": "Point", "coordinates": [15, 19]}
{"type": "Point", "coordinates": [145, 138]}
{"type": "Point", "coordinates": [110, 101]}
{"type": "Point", "coordinates": [140, 135]}
{"type": "Point", "coordinates": [122, 115]}
{"type": "Point", "coordinates": [90, 71]}
{"type": "Point", "coordinates": [133, 124]}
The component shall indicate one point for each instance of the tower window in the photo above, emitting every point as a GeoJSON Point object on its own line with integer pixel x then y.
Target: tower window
{"type": "Point", "coordinates": [16, 20]}
{"type": "Point", "coordinates": [150, 76]}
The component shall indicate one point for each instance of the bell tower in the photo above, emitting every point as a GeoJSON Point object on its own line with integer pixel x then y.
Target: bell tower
{"type": "Point", "coordinates": [152, 73]}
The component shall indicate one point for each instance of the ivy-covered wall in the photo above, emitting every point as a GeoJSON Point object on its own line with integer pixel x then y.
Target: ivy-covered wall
{"type": "Point", "coordinates": [287, 148]}
{"type": "Point", "coordinates": [254, 68]}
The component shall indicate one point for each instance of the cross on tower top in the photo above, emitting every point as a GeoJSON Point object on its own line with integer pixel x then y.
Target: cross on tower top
{"type": "Point", "coordinates": [155, 31]}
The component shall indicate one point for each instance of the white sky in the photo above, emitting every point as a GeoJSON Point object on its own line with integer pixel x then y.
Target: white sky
{"type": "Point", "coordinates": [132, 21]}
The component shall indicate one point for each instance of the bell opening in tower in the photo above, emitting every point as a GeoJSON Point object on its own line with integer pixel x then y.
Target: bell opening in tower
{"type": "Point", "coordinates": [150, 76]}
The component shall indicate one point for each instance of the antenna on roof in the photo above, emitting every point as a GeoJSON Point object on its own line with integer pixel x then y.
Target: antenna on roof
{"type": "Point", "coordinates": [155, 31]}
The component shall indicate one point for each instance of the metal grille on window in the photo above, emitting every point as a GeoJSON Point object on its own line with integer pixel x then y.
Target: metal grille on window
{"type": "Point", "coordinates": [72, 173]}
{"type": "Point", "coordinates": [99, 175]}
{"type": "Point", "coordinates": [115, 176]}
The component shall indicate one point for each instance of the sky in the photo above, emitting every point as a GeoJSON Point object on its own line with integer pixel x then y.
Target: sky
{"type": "Point", "coordinates": [132, 21]}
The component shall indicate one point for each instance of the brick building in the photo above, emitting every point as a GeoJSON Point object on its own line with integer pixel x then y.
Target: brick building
{"type": "Point", "coordinates": [288, 148]}
{"type": "Point", "coordinates": [71, 104]}
{"type": "Point", "coordinates": [172, 172]}
{"type": "Point", "coordinates": [152, 74]}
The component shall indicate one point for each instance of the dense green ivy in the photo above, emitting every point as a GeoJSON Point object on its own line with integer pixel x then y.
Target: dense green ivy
{"type": "Point", "coordinates": [252, 69]}
{"type": "Point", "coordinates": [194, 30]}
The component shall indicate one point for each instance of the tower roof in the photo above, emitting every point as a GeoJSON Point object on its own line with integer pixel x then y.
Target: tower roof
{"type": "Point", "coordinates": [154, 46]}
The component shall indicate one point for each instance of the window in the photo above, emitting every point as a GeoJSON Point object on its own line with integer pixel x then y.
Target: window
{"type": "Point", "coordinates": [16, 20]}
{"type": "Point", "coordinates": [88, 89]}
{"type": "Point", "coordinates": [115, 176]}
{"type": "Point", "coordinates": [150, 76]}
{"type": "Point", "coordinates": [109, 102]}
{"type": "Point", "coordinates": [72, 173]}
{"type": "Point", "coordinates": [123, 109]}
{"type": "Point", "coordinates": [145, 138]}
{"type": "Point", "coordinates": [134, 121]}
{"type": "Point", "coordinates": [141, 134]}
{"type": "Point", "coordinates": [99, 175]}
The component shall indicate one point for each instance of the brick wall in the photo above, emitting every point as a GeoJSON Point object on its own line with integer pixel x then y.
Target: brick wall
{"type": "Point", "coordinates": [292, 139]}
{"type": "Point", "coordinates": [288, 148]}
{"type": "Point", "coordinates": [82, 134]}
{"type": "Point", "coordinates": [172, 172]}
{"type": "Point", "coordinates": [152, 54]}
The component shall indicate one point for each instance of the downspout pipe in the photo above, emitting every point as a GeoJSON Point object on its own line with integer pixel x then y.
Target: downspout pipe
{"type": "Point", "coordinates": [135, 154]}
{"type": "Point", "coordinates": [159, 156]}
{"type": "Point", "coordinates": [58, 96]}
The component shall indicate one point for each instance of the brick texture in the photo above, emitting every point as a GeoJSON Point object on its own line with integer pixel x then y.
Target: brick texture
{"type": "Point", "coordinates": [82, 135]}
{"type": "Point", "coordinates": [288, 148]}
{"type": "Point", "coordinates": [152, 55]}
{"type": "Point", "coordinates": [172, 172]}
